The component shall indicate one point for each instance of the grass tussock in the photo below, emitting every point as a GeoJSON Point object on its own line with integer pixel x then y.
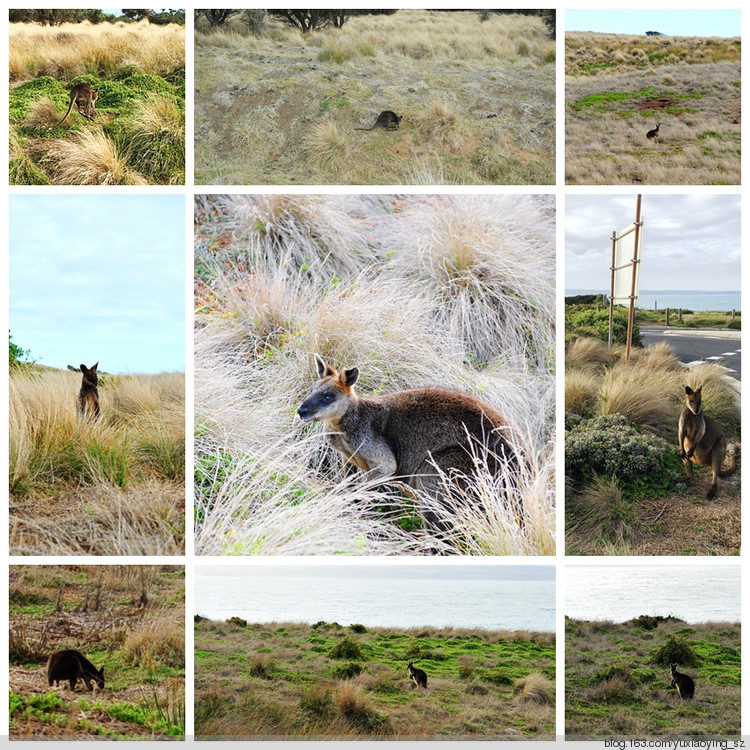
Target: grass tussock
{"type": "Point", "coordinates": [113, 486]}
{"type": "Point", "coordinates": [411, 292]}
{"type": "Point", "coordinates": [618, 681]}
{"type": "Point", "coordinates": [128, 620]}
{"type": "Point", "coordinates": [509, 693]}
{"type": "Point", "coordinates": [496, 85]}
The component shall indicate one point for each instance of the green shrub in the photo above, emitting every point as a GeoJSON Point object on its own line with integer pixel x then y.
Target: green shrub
{"type": "Point", "coordinates": [317, 701]}
{"type": "Point", "coordinates": [644, 465]}
{"type": "Point", "coordinates": [593, 322]}
{"type": "Point", "coordinates": [357, 628]}
{"type": "Point", "coordinates": [675, 651]}
{"type": "Point", "coordinates": [347, 671]}
{"type": "Point", "coordinates": [605, 674]}
{"type": "Point", "coordinates": [238, 621]}
{"type": "Point", "coordinates": [346, 649]}
{"type": "Point", "coordinates": [647, 622]}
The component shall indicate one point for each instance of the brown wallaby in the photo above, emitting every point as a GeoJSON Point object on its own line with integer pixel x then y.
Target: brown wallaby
{"type": "Point", "coordinates": [80, 94]}
{"type": "Point", "coordinates": [88, 396]}
{"type": "Point", "coordinates": [702, 441]}
{"type": "Point", "coordinates": [72, 665]}
{"type": "Point", "coordinates": [418, 676]}
{"type": "Point", "coordinates": [684, 683]}
{"type": "Point", "coordinates": [652, 135]}
{"type": "Point", "coordinates": [406, 435]}
{"type": "Point", "coordinates": [386, 119]}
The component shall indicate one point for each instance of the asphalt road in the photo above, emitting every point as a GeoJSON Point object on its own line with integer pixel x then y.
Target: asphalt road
{"type": "Point", "coordinates": [700, 345]}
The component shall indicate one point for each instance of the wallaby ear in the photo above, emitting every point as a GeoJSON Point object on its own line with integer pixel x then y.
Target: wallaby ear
{"type": "Point", "coordinates": [84, 369]}
{"type": "Point", "coordinates": [698, 389]}
{"type": "Point", "coordinates": [688, 390]}
{"type": "Point", "coordinates": [349, 377]}
{"type": "Point", "coordinates": [93, 369]}
{"type": "Point", "coordinates": [322, 367]}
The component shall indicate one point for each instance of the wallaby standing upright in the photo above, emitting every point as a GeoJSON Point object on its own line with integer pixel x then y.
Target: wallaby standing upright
{"type": "Point", "coordinates": [702, 441]}
{"type": "Point", "coordinates": [81, 93]}
{"type": "Point", "coordinates": [88, 396]}
{"type": "Point", "coordinates": [652, 135]}
{"type": "Point", "coordinates": [386, 119]}
{"type": "Point", "coordinates": [684, 683]}
{"type": "Point", "coordinates": [72, 665]}
{"type": "Point", "coordinates": [405, 435]}
{"type": "Point", "coordinates": [418, 676]}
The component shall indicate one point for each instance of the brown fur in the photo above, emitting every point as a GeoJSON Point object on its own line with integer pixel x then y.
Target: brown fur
{"type": "Point", "coordinates": [72, 665]}
{"type": "Point", "coordinates": [702, 441]}
{"type": "Point", "coordinates": [88, 396]}
{"type": "Point", "coordinates": [652, 135]}
{"type": "Point", "coordinates": [81, 93]}
{"type": "Point", "coordinates": [418, 676]}
{"type": "Point", "coordinates": [404, 435]}
{"type": "Point", "coordinates": [386, 119]}
{"type": "Point", "coordinates": [684, 683]}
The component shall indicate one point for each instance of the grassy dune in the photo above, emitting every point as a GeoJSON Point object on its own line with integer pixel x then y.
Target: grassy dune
{"type": "Point", "coordinates": [618, 87]}
{"type": "Point", "coordinates": [624, 510]}
{"type": "Point", "coordinates": [617, 678]}
{"type": "Point", "coordinates": [129, 620]}
{"type": "Point", "coordinates": [110, 487]}
{"type": "Point", "coordinates": [477, 100]}
{"type": "Point", "coordinates": [415, 291]}
{"type": "Point", "coordinates": [290, 679]}
{"type": "Point", "coordinates": [138, 136]}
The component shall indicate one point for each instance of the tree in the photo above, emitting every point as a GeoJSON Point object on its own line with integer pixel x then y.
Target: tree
{"type": "Point", "coordinates": [216, 16]}
{"type": "Point", "coordinates": [15, 352]}
{"type": "Point", "coordinates": [550, 21]}
{"type": "Point", "coordinates": [311, 20]}
{"type": "Point", "coordinates": [136, 14]}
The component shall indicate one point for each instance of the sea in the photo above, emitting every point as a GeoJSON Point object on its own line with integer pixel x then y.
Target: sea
{"type": "Point", "coordinates": [382, 596]}
{"type": "Point", "coordinates": [687, 299]}
{"type": "Point", "coordinates": [695, 594]}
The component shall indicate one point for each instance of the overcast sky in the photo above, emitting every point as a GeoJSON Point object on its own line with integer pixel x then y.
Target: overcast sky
{"type": "Point", "coordinates": [689, 241]}
{"type": "Point", "coordinates": [683, 22]}
{"type": "Point", "coordinates": [99, 278]}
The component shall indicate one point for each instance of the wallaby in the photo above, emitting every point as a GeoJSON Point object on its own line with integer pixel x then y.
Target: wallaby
{"type": "Point", "coordinates": [406, 435]}
{"type": "Point", "coordinates": [684, 683]}
{"type": "Point", "coordinates": [81, 93]}
{"type": "Point", "coordinates": [72, 665]}
{"type": "Point", "coordinates": [702, 441]}
{"type": "Point", "coordinates": [387, 119]}
{"type": "Point", "coordinates": [418, 676]}
{"type": "Point", "coordinates": [88, 396]}
{"type": "Point", "coordinates": [652, 135]}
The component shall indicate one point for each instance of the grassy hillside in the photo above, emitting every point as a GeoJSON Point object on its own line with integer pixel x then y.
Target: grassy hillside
{"type": "Point", "coordinates": [626, 491]}
{"type": "Point", "coordinates": [138, 133]}
{"type": "Point", "coordinates": [129, 620]}
{"type": "Point", "coordinates": [617, 678]}
{"type": "Point", "coordinates": [618, 87]}
{"type": "Point", "coordinates": [115, 486]}
{"type": "Point", "coordinates": [477, 101]}
{"type": "Point", "coordinates": [451, 291]}
{"type": "Point", "coordinates": [291, 679]}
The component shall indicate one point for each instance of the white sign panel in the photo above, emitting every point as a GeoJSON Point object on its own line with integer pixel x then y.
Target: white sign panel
{"type": "Point", "coordinates": [625, 251]}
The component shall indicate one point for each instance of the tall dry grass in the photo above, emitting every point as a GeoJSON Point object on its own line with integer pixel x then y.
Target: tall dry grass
{"type": "Point", "coordinates": [111, 486]}
{"type": "Point", "coordinates": [355, 279]}
{"type": "Point", "coordinates": [73, 49]}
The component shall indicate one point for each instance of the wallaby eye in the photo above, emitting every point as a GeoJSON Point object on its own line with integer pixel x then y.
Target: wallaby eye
{"type": "Point", "coordinates": [328, 397]}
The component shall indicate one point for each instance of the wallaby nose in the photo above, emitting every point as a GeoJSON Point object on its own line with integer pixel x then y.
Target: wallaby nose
{"type": "Point", "coordinates": [303, 411]}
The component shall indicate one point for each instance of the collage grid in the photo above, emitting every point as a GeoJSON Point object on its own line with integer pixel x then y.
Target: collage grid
{"type": "Point", "coordinates": [334, 205]}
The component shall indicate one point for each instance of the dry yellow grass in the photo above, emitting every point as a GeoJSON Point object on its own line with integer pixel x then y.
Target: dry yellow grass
{"type": "Point", "coordinates": [73, 49]}
{"type": "Point", "coordinates": [114, 486]}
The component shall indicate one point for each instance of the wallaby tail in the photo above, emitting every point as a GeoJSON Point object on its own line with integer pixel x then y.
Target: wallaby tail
{"type": "Point", "coordinates": [70, 107]}
{"type": "Point", "coordinates": [732, 464]}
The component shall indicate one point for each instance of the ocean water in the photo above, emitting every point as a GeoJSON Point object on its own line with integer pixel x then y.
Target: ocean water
{"type": "Point", "coordinates": [689, 299]}
{"type": "Point", "coordinates": [396, 597]}
{"type": "Point", "coordinates": [619, 593]}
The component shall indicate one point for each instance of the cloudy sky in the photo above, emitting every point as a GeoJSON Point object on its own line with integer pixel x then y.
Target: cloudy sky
{"type": "Point", "coordinates": [99, 278]}
{"type": "Point", "coordinates": [689, 241]}
{"type": "Point", "coordinates": [717, 22]}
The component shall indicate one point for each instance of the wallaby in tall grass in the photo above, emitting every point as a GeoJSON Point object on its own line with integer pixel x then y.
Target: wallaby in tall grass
{"type": "Point", "coordinates": [684, 683]}
{"type": "Point", "coordinates": [81, 94]}
{"type": "Point", "coordinates": [404, 436]}
{"type": "Point", "coordinates": [652, 135]}
{"type": "Point", "coordinates": [418, 676]}
{"type": "Point", "coordinates": [702, 441]}
{"type": "Point", "coordinates": [88, 396]}
{"type": "Point", "coordinates": [386, 119]}
{"type": "Point", "coordinates": [72, 665]}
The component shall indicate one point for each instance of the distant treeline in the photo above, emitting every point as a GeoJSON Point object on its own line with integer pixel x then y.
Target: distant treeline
{"type": "Point", "coordinates": [57, 16]}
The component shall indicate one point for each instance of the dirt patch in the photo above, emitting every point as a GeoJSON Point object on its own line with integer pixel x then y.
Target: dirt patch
{"type": "Point", "coordinates": [655, 103]}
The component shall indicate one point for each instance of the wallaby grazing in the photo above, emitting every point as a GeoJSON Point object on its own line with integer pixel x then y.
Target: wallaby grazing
{"type": "Point", "coordinates": [702, 441]}
{"type": "Point", "coordinates": [88, 396]}
{"type": "Point", "coordinates": [418, 676]}
{"type": "Point", "coordinates": [387, 119]}
{"type": "Point", "coordinates": [405, 435]}
{"type": "Point", "coordinates": [652, 135]}
{"type": "Point", "coordinates": [72, 665]}
{"type": "Point", "coordinates": [80, 94]}
{"type": "Point", "coordinates": [684, 683]}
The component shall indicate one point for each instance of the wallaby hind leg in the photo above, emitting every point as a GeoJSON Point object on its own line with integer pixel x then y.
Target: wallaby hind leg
{"type": "Point", "coordinates": [688, 464]}
{"type": "Point", "coordinates": [717, 458]}
{"type": "Point", "coordinates": [448, 488]}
